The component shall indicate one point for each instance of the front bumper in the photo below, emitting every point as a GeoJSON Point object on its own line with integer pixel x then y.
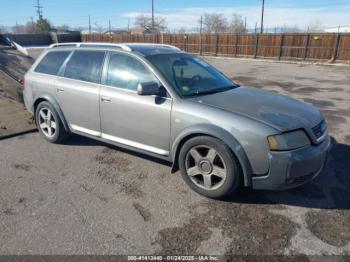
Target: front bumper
{"type": "Point", "coordinates": [293, 168]}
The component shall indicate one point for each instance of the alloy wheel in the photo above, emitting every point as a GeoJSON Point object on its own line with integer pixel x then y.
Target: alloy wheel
{"type": "Point", "coordinates": [205, 167]}
{"type": "Point", "coordinates": [47, 122]}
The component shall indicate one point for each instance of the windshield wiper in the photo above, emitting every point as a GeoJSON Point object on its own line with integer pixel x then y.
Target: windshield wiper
{"type": "Point", "coordinates": [213, 91]}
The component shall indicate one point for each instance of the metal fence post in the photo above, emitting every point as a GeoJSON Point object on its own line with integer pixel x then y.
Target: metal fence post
{"type": "Point", "coordinates": [336, 48]}
{"type": "Point", "coordinates": [185, 42]}
{"type": "Point", "coordinates": [281, 47]}
{"type": "Point", "coordinates": [171, 39]}
{"type": "Point", "coordinates": [200, 44]}
{"type": "Point", "coordinates": [217, 45]}
{"type": "Point", "coordinates": [306, 46]}
{"type": "Point", "coordinates": [256, 45]}
{"type": "Point", "coordinates": [236, 45]}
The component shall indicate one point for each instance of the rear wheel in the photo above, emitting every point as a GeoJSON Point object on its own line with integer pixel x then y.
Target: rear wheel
{"type": "Point", "coordinates": [49, 123]}
{"type": "Point", "coordinates": [208, 166]}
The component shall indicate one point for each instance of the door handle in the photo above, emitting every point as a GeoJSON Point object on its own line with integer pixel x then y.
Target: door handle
{"type": "Point", "coordinates": [105, 99]}
{"type": "Point", "coordinates": [60, 90]}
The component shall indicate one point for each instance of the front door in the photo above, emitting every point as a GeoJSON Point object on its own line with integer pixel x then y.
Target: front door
{"type": "Point", "coordinates": [141, 122]}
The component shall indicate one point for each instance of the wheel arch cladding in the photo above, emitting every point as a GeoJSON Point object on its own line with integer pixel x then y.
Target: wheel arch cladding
{"type": "Point", "coordinates": [218, 133]}
{"type": "Point", "coordinates": [48, 98]}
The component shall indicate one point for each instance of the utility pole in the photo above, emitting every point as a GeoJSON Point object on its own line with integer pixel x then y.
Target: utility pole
{"type": "Point", "coordinates": [110, 28]}
{"type": "Point", "coordinates": [153, 15]}
{"type": "Point", "coordinates": [128, 24]}
{"type": "Point", "coordinates": [200, 37]}
{"type": "Point", "coordinates": [39, 10]}
{"type": "Point", "coordinates": [89, 25]}
{"type": "Point", "coordinates": [262, 17]}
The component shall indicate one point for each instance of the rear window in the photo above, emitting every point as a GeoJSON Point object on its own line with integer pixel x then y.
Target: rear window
{"type": "Point", "coordinates": [52, 62]}
{"type": "Point", "coordinates": [85, 66]}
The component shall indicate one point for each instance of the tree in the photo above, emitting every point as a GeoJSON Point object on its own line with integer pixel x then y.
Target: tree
{"type": "Point", "coordinates": [181, 30]}
{"type": "Point", "coordinates": [98, 27]}
{"type": "Point", "coordinates": [291, 29]}
{"type": "Point", "coordinates": [42, 26]}
{"type": "Point", "coordinates": [145, 22]}
{"type": "Point", "coordinates": [2, 29]}
{"type": "Point", "coordinates": [315, 26]}
{"type": "Point", "coordinates": [237, 25]}
{"type": "Point", "coordinates": [62, 28]}
{"type": "Point", "coordinates": [78, 28]}
{"type": "Point", "coordinates": [214, 23]}
{"type": "Point", "coordinates": [30, 27]}
{"type": "Point", "coordinates": [18, 29]}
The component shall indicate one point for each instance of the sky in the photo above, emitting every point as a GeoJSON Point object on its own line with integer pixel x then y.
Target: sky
{"type": "Point", "coordinates": [178, 13]}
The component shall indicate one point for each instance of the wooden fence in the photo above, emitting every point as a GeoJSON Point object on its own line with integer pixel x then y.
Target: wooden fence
{"type": "Point", "coordinates": [325, 46]}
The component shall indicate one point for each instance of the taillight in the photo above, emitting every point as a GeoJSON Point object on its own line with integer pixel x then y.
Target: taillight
{"type": "Point", "coordinates": [22, 82]}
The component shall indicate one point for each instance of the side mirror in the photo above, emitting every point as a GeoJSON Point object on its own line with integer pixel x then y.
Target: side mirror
{"type": "Point", "coordinates": [148, 89]}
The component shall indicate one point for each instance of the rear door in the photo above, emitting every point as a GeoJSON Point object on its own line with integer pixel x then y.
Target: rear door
{"type": "Point", "coordinates": [78, 88]}
{"type": "Point", "coordinates": [138, 121]}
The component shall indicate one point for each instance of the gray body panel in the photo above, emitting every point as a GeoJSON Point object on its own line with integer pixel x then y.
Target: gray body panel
{"type": "Point", "coordinates": [126, 115]}
{"type": "Point", "coordinates": [242, 118]}
{"type": "Point", "coordinates": [79, 102]}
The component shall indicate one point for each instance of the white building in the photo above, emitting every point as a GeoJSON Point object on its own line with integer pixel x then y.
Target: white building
{"type": "Point", "coordinates": [340, 29]}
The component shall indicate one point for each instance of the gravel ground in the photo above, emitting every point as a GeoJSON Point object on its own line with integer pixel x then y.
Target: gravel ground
{"type": "Point", "coordinates": [87, 197]}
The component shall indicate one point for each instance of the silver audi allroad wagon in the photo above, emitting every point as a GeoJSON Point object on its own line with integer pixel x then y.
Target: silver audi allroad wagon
{"type": "Point", "coordinates": [160, 101]}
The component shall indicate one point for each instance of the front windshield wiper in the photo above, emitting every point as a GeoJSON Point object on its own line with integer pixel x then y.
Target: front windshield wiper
{"type": "Point", "coordinates": [213, 91]}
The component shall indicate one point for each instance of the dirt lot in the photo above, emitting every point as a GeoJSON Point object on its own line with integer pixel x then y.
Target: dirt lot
{"type": "Point", "coordinates": [86, 197]}
{"type": "Point", "coordinates": [13, 117]}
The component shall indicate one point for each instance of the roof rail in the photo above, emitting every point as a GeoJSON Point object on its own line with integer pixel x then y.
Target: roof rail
{"type": "Point", "coordinates": [92, 44]}
{"type": "Point", "coordinates": [124, 46]}
{"type": "Point", "coordinates": [152, 44]}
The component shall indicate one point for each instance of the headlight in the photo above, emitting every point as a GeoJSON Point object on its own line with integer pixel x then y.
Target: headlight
{"type": "Point", "coordinates": [288, 141]}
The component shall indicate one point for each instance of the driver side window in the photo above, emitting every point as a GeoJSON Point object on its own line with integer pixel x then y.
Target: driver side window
{"type": "Point", "coordinates": [127, 72]}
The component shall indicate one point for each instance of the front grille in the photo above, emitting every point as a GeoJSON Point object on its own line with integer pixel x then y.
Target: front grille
{"type": "Point", "coordinates": [319, 129]}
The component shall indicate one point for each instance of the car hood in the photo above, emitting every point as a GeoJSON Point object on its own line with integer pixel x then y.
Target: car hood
{"type": "Point", "coordinates": [278, 111]}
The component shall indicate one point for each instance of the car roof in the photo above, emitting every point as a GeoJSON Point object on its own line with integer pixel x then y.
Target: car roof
{"type": "Point", "coordinates": [144, 49]}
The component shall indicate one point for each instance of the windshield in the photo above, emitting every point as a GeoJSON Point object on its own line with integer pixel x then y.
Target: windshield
{"type": "Point", "coordinates": [190, 75]}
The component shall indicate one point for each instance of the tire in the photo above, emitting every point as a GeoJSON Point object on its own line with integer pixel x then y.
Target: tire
{"type": "Point", "coordinates": [47, 119]}
{"type": "Point", "coordinates": [209, 167]}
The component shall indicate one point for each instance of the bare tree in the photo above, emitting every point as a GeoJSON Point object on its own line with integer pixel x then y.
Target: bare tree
{"type": "Point", "coordinates": [2, 29]}
{"type": "Point", "coordinates": [19, 29]}
{"type": "Point", "coordinates": [30, 27]}
{"type": "Point", "coordinates": [62, 28]}
{"type": "Point", "coordinates": [291, 29]}
{"type": "Point", "coordinates": [214, 23]}
{"type": "Point", "coordinates": [78, 28]}
{"type": "Point", "coordinates": [145, 22]}
{"type": "Point", "coordinates": [98, 27]}
{"type": "Point", "coordinates": [315, 26]}
{"type": "Point", "coordinates": [237, 25]}
{"type": "Point", "coordinates": [181, 30]}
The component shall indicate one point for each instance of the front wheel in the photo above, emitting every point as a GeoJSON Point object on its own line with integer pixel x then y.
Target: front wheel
{"type": "Point", "coordinates": [208, 166]}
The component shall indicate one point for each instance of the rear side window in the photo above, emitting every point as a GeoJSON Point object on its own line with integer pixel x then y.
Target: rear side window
{"type": "Point", "coordinates": [52, 62]}
{"type": "Point", "coordinates": [85, 66]}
